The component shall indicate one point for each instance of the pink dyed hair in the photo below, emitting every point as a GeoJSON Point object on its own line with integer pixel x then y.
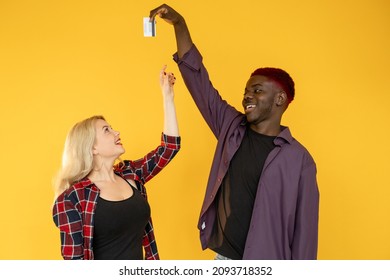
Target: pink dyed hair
{"type": "Point", "coordinates": [279, 76]}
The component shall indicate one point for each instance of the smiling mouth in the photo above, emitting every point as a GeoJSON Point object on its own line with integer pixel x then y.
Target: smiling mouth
{"type": "Point", "coordinates": [118, 142]}
{"type": "Point", "coordinates": [249, 107]}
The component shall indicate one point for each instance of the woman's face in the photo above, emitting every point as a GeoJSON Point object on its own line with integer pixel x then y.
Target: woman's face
{"type": "Point", "coordinates": [107, 142]}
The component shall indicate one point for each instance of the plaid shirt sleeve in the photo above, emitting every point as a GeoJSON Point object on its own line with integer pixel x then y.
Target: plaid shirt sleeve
{"type": "Point", "coordinates": [68, 219]}
{"type": "Point", "coordinates": [151, 164]}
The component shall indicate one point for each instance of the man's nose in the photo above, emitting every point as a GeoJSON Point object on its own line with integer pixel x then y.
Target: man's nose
{"type": "Point", "coordinates": [248, 95]}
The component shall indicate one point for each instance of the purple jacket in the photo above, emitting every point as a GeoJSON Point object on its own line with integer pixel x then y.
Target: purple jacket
{"type": "Point", "coordinates": [284, 223]}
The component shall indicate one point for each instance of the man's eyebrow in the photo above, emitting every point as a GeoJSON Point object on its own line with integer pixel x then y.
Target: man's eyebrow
{"type": "Point", "coordinates": [255, 85]}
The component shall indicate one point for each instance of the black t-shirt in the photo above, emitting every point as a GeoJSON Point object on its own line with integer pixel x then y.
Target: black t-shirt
{"type": "Point", "coordinates": [237, 193]}
{"type": "Point", "coordinates": [119, 227]}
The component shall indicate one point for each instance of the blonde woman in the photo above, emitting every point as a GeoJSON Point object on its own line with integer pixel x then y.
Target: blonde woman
{"type": "Point", "coordinates": [102, 210]}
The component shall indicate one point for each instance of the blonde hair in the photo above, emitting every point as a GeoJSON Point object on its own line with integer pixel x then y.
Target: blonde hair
{"type": "Point", "coordinates": [77, 158]}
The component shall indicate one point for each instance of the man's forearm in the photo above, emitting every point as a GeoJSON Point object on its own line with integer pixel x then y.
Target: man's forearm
{"type": "Point", "coordinates": [183, 37]}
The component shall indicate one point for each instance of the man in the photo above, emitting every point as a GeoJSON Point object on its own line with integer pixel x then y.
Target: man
{"type": "Point", "coordinates": [262, 197]}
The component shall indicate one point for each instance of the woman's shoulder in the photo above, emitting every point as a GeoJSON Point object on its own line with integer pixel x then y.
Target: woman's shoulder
{"type": "Point", "coordinates": [79, 187]}
{"type": "Point", "coordinates": [123, 166]}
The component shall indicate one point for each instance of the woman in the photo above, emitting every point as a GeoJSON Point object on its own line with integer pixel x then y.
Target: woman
{"type": "Point", "coordinates": [102, 210]}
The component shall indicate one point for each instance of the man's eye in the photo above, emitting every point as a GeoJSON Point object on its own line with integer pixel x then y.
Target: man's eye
{"type": "Point", "coordinates": [257, 90]}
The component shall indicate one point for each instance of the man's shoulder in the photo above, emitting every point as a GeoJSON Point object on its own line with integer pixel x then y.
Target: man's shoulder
{"type": "Point", "coordinates": [295, 147]}
{"type": "Point", "coordinates": [302, 151]}
{"type": "Point", "coordinates": [294, 142]}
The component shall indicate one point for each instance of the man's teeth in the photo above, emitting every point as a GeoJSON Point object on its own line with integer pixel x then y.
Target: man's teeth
{"type": "Point", "coordinates": [250, 106]}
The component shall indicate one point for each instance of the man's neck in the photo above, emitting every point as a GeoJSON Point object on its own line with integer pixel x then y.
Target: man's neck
{"type": "Point", "coordinates": [266, 129]}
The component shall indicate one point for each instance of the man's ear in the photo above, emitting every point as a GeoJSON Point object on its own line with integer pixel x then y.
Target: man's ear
{"type": "Point", "coordinates": [281, 98]}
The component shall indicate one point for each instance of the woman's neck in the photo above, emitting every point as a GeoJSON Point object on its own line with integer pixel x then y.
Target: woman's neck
{"type": "Point", "coordinates": [103, 173]}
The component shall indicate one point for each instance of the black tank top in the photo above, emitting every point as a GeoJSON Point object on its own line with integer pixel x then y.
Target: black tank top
{"type": "Point", "coordinates": [119, 228]}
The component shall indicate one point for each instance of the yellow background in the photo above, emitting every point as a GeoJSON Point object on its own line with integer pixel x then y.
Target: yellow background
{"type": "Point", "coordinates": [63, 61]}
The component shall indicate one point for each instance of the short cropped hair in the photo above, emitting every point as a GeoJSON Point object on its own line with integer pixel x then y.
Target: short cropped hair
{"type": "Point", "coordinates": [279, 76]}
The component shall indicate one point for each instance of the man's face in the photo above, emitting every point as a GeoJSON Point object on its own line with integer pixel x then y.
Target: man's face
{"type": "Point", "coordinates": [259, 100]}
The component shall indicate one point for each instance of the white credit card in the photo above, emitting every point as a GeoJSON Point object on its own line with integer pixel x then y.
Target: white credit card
{"type": "Point", "coordinates": [149, 27]}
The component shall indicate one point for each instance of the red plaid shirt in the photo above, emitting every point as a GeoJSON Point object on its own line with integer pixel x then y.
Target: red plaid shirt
{"type": "Point", "coordinates": [73, 211]}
